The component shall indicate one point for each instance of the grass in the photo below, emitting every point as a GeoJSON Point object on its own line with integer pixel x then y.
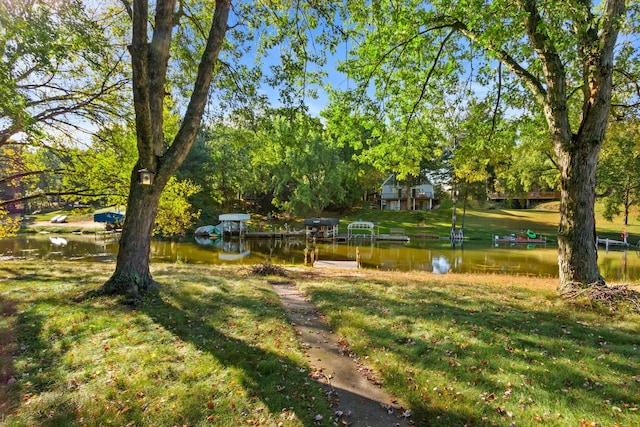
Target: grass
{"type": "Point", "coordinates": [214, 347]}
{"type": "Point", "coordinates": [488, 350]}
{"type": "Point", "coordinates": [482, 222]}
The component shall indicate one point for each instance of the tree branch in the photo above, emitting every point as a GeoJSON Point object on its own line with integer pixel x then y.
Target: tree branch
{"type": "Point", "coordinates": [128, 8]}
{"type": "Point", "coordinates": [183, 140]}
{"type": "Point", "coordinates": [139, 49]}
{"type": "Point", "coordinates": [84, 193]}
{"type": "Point", "coordinates": [429, 74]}
{"type": "Point", "coordinates": [158, 57]}
{"type": "Point", "coordinates": [598, 56]}
{"type": "Point", "coordinates": [529, 80]}
{"type": "Point", "coordinates": [403, 45]}
{"type": "Point", "coordinates": [497, 106]}
{"type": "Point", "coordinates": [29, 173]}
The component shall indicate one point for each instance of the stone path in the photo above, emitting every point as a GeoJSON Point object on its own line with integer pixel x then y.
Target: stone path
{"type": "Point", "coordinates": [356, 401]}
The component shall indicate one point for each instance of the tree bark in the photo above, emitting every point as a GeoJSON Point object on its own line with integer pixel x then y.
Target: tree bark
{"type": "Point", "coordinates": [627, 201]}
{"type": "Point", "coordinates": [577, 251]}
{"type": "Point", "coordinates": [132, 277]}
{"type": "Point", "coordinates": [578, 152]}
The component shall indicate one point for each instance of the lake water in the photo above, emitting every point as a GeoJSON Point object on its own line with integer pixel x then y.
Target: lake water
{"type": "Point", "coordinates": [424, 255]}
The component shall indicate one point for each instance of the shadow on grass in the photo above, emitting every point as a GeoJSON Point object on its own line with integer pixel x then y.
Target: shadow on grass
{"type": "Point", "coordinates": [47, 327]}
{"type": "Point", "coordinates": [40, 357]}
{"type": "Point", "coordinates": [277, 381]}
{"type": "Point", "coordinates": [488, 353]}
{"type": "Point", "coordinates": [7, 351]}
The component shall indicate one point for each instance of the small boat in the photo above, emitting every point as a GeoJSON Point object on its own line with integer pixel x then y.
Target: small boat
{"type": "Point", "coordinates": [207, 230]}
{"type": "Point", "coordinates": [512, 238]}
{"type": "Point", "coordinates": [206, 241]}
{"type": "Point", "coordinates": [58, 219]}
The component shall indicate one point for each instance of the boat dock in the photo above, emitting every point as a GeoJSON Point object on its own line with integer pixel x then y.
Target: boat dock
{"type": "Point", "coordinates": [613, 243]}
{"type": "Point", "coordinates": [314, 260]}
{"type": "Point", "coordinates": [317, 229]}
{"type": "Point", "coordinates": [274, 234]}
{"type": "Point", "coordinates": [348, 265]}
{"type": "Point", "coordinates": [513, 239]}
{"type": "Point", "coordinates": [340, 237]}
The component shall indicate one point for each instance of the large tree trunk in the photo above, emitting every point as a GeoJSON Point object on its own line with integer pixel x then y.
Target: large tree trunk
{"type": "Point", "coordinates": [577, 152]}
{"type": "Point", "coordinates": [577, 252]}
{"type": "Point", "coordinates": [149, 60]}
{"type": "Point", "coordinates": [132, 276]}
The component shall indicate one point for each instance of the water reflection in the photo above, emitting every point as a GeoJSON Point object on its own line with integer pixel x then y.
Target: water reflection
{"type": "Point", "coordinates": [429, 256]}
{"type": "Point", "coordinates": [440, 265]}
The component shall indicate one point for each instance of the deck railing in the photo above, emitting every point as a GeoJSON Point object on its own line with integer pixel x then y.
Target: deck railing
{"type": "Point", "coordinates": [394, 196]}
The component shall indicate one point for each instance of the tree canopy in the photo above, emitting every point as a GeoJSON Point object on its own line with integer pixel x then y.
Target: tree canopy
{"type": "Point", "coordinates": [413, 55]}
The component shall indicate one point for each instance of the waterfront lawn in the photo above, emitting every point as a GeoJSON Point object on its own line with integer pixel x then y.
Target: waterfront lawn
{"type": "Point", "coordinates": [212, 348]}
{"type": "Point", "coordinates": [482, 222]}
{"type": "Point", "coordinates": [487, 350]}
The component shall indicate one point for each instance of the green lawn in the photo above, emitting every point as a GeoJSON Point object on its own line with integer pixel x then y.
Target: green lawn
{"type": "Point", "coordinates": [488, 350]}
{"type": "Point", "coordinates": [214, 347]}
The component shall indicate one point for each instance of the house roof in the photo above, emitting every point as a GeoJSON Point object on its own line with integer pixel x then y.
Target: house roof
{"type": "Point", "coordinates": [391, 180]}
{"type": "Point", "coordinates": [394, 182]}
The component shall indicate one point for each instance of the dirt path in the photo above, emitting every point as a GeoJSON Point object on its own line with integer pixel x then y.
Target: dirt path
{"type": "Point", "coordinates": [355, 400]}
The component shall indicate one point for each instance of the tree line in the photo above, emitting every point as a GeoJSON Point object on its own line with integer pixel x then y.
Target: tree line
{"type": "Point", "coordinates": [283, 160]}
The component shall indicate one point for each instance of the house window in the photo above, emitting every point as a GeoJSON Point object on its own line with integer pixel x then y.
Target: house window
{"type": "Point", "coordinates": [399, 193]}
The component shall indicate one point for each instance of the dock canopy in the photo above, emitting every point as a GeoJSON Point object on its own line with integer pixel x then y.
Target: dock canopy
{"type": "Point", "coordinates": [354, 229]}
{"type": "Point", "coordinates": [234, 217]}
{"type": "Point", "coordinates": [233, 223]}
{"type": "Point", "coordinates": [321, 228]}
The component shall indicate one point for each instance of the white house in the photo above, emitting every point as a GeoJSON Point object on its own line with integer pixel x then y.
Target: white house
{"type": "Point", "coordinates": [395, 196]}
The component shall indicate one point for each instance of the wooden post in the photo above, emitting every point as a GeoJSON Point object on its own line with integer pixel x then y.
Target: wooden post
{"type": "Point", "coordinates": [306, 253]}
{"type": "Point", "coordinates": [357, 257]}
{"type": "Point", "coordinates": [317, 254]}
{"type": "Point", "coordinates": [313, 258]}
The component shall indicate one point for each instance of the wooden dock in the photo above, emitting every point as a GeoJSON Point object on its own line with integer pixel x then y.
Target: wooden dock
{"type": "Point", "coordinates": [315, 261]}
{"type": "Point", "coordinates": [274, 235]}
{"type": "Point", "coordinates": [611, 243]}
{"type": "Point", "coordinates": [350, 265]}
{"type": "Point", "coordinates": [392, 237]}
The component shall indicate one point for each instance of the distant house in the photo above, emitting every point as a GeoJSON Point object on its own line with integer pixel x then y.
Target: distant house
{"type": "Point", "coordinates": [396, 196]}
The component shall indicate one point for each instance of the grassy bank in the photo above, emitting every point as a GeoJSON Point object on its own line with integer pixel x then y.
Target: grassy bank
{"type": "Point", "coordinates": [214, 348]}
{"type": "Point", "coordinates": [481, 221]}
